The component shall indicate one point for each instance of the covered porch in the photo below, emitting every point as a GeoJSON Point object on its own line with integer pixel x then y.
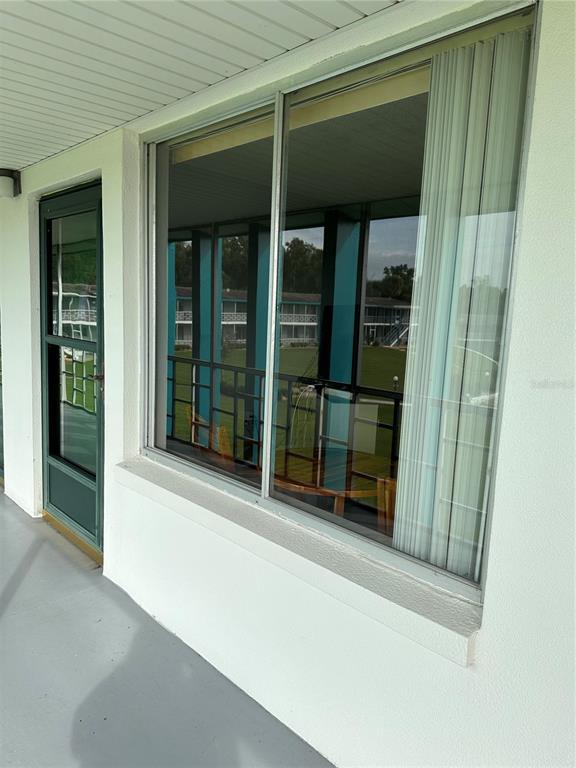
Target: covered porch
{"type": "Point", "coordinates": [88, 678]}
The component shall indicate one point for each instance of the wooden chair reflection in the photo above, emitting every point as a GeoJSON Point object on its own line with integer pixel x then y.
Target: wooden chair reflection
{"type": "Point", "coordinates": [385, 498]}
{"type": "Point", "coordinates": [221, 445]}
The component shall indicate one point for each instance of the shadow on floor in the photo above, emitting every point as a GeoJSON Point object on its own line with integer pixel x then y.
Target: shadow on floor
{"type": "Point", "coordinates": [88, 679]}
{"type": "Point", "coordinates": [169, 711]}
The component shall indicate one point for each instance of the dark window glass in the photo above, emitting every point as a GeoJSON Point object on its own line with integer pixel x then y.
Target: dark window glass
{"type": "Point", "coordinates": [351, 220]}
{"type": "Point", "coordinates": [214, 259]}
{"type": "Point", "coordinates": [73, 258]}
{"type": "Point", "coordinates": [77, 409]}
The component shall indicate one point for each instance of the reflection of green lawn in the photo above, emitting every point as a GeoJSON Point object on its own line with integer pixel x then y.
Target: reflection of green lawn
{"type": "Point", "coordinates": [79, 382]}
{"type": "Point", "coordinates": [379, 365]}
{"type": "Point", "coordinates": [372, 446]}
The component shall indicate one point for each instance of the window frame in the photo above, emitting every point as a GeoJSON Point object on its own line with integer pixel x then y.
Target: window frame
{"type": "Point", "coordinates": [417, 56]}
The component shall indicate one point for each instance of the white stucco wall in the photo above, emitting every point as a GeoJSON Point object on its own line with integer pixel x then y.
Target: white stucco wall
{"type": "Point", "coordinates": [355, 687]}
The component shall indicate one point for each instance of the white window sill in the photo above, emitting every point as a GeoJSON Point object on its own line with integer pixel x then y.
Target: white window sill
{"type": "Point", "coordinates": [430, 615]}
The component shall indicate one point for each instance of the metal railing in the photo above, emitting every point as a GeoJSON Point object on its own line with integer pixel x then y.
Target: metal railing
{"type": "Point", "coordinates": [219, 407]}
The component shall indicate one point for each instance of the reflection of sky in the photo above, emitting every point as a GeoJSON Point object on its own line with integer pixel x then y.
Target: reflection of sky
{"type": "Point", "coordinates": [314, 235]}
{"type": "Point", "coordinates": [391, 242]}
{"type": "Point", "coordinates": [486, 240]}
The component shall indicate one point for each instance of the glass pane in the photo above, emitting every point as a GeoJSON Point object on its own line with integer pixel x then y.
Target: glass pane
{"type": "Point", "coordinates": [398, 229]}
{"type": "Point", "coordinates": [78, 406]}
{"type": "Point", "coordinates": [73, 258]}
{"type": "Point", "coordinates": [388, 297]}
{"type": "Point", "coordinates": [213, 266]}
{"type": "Point", "coordinates": [300, 305]}
{"type": "Point", "coordinates": [232, 263]}
{"type": "Point", "coordinates": [351, 224]}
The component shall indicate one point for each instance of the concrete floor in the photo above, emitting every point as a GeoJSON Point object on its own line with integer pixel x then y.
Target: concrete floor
{"type": "Point", "coordinates": [89, 679]}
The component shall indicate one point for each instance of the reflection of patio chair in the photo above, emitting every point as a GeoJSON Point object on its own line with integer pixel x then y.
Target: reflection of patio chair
{"type": "Point", "coordinates": [219, 441]}
{"type": "Point", "coordinates": [385, 494]}
{"type": "Point", "coordinates": [221, 444]}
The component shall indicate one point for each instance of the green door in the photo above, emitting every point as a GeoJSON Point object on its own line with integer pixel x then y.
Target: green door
{"type": "Point", "coordinates": [73, 359]}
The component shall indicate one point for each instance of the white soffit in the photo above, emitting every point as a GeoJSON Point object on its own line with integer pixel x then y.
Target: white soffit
{"type": "Point", "coordinates": [70, 70]}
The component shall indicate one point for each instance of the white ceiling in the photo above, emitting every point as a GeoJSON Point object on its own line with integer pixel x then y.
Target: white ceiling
{"type": "Point", "coordinates": [70, 70]}
{"type": "Point", "coordinates": [367, 156]}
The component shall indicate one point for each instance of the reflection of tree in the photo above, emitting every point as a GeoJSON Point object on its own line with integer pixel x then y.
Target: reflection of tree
{"type": "Point", "coordinates": [79, 264]}
{"type": "Point", "coordinates": [483, 294]}
{"type": "Point", "coordinates": [302, 267]}
{"type": "Point", "coordinates": [235, 262]}
{"type": "Point", "coordinates": [183, 266]}
{"type": "Point", "coordinates": [396, 283]}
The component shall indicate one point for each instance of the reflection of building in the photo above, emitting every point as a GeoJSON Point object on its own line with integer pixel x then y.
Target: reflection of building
{"type": "Point", "coordinates": [386, 321]}
{"type": "Point", "coordinates": [77, 311]}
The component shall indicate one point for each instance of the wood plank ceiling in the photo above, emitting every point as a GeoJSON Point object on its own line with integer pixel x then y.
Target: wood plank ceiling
{"type": "Point", "coordinates": [72, 70]}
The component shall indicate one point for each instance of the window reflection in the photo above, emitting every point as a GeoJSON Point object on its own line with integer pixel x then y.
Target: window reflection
{"type": "Point", "coordinates": [393, 272]}
{"type": "Point", "coordinates": [73, 259]}
{"type": "Point", "coordinates": [216, 266]}
{"type": "Point", "coordinates": [348, 272]}
{"type": "Point", "coordinates": [77, 409]}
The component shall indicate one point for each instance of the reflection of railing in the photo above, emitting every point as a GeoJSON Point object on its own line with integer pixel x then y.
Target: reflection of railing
{"type": "Point", "coordinates": [79, 316]}
{"type": "Point", "coordinates": [202, 419]}
{"type": "Point", "coordinates": [77, 380]}
{"type": "Point", "coordinates": [219, 407]}
{"type": "Point", "coordinates": [395, 335]}
{"type": "Point", "coordinates": [301, 319]}
{"type": "Point", "coordinates": [319, 396]}
{"type": "Point", "coordinates": [234, 317]}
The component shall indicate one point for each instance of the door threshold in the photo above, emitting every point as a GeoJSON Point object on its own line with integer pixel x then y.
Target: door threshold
{"type": "Point", "coordinates": [88, 549]}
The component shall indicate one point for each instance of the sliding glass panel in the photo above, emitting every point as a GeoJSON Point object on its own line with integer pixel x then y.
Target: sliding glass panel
{"type": "Point", "coordinates": [354, 171]}
{"type": "Point", "coordinates": [72, 264]}
{"type": "Point", "coordinates": [398, 228]}
{"type": "Point", "coordinates": [213, 235]}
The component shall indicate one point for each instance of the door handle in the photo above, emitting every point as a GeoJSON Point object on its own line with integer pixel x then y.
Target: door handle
{"type": "Point", "coordinates": [99, 377]}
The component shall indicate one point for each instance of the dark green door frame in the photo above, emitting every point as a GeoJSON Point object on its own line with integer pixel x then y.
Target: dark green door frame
{"type": "Point", "coordinates": [72, 368]}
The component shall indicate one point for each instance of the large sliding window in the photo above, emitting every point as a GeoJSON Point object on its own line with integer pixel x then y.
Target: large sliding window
{"type": "Point", "coordinates": [390, 234]}
{"type": "Point", "coordinates": [352, 199]}
{"type": "Point", "coordinates": [213, 267]}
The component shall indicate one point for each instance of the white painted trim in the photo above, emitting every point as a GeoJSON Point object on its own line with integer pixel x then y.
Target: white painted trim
{"type": "Point", "coordinates": [335, 538]}
{"type": "Point", "coordinates": [277, 205]}
{"type": "Point", "coordinates": [428, 615]}
{"type": "Point", "coordinates": [510, 284]}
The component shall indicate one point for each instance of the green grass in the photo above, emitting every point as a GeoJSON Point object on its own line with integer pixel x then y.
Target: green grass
{"type": "Point", "coordinates": [79, 384]}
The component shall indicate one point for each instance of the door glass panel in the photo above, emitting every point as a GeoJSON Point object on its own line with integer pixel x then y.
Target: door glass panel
{"type": "Point", "coordinates": [73, 256]}
{"type": "Point", "coordinates": [78, 407]}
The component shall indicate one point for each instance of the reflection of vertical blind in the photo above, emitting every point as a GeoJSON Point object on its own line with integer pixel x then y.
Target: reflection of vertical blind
{"type": "Point", "coordinates": [468, 197]}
